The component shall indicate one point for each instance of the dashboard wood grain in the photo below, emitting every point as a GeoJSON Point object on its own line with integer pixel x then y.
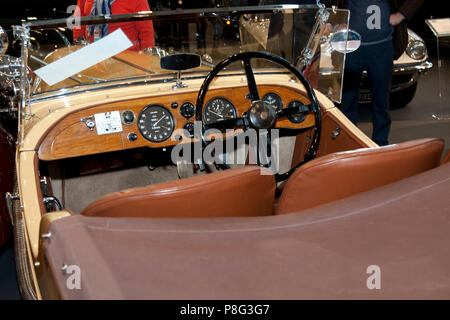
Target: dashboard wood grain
{"type": "Point", "coordinates": [71, 137]}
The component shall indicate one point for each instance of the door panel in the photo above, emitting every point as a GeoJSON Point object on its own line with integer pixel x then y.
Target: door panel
{"type": "Point", "coordinates": [6, 182]}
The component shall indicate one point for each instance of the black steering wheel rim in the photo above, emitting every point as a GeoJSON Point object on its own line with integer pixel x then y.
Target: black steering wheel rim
{"type": "Point", "coordinates": [245, 57]}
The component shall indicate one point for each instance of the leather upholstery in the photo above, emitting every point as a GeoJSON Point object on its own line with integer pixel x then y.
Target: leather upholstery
{"type": "Point", "coordinates": [243, 191]}
{"type": "Point", "coordinates": [446, 158]}
{"type": "Point", "coordinates": [320, 253]}
{"type": "Point", "coordinates": [339, 175]}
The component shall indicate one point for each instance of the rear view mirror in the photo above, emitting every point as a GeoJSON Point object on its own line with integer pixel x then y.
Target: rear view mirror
{"type": "Point", "coordinates": [345, 41]}
{"type": "Point", "coordinates": [180, 61]}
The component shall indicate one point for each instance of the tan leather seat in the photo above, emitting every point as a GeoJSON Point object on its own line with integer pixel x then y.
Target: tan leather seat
{"type": "Point", "coordinates": [446, 158]}
{"type": "Point", "coordinates": [243, 191]}
{"type": "Point", "coordinates": [342, 174]}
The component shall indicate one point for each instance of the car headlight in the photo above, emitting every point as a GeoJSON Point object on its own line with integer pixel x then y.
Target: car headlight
{"type": "Point", "coordinates": [416, 50]}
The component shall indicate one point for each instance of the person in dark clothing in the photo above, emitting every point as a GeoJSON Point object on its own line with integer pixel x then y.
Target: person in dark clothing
{"type": "Point", "coordinates": [382, 25]}
{"type": "Point", "coordinates": [379, 22]}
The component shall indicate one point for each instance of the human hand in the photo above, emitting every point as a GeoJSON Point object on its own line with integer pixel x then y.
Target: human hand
{"type": "Point", "coordinates": [396, 18]}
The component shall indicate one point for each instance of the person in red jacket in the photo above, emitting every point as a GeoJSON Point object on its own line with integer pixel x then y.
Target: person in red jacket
{"type": "Point", "coordinates": [140, 33]}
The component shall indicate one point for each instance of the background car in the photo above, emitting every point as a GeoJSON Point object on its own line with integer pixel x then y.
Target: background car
{"type": "Point", "coordinates": [407, 70]}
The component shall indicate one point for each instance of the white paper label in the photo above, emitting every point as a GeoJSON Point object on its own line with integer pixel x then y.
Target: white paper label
{"type": "Point", "coordinates": [84, 58]}
{"type": "Point", "coordinates": [108, 122]}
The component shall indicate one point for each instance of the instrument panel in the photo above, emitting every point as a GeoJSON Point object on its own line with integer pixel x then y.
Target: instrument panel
{"type": "Point", "coordinates": [218, 109]}
{"type": "Point", "coordinates": [156, 121]}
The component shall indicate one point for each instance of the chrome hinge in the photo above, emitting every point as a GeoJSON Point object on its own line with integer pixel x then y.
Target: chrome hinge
{"type": "Point", "coordinates": [9, 204]}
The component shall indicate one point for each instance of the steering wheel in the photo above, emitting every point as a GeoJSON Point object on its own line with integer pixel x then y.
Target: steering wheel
{"type": "Point", "coordinates": [262, 115]}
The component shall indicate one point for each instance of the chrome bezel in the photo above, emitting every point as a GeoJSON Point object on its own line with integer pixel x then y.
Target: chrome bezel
{"type": "Point", "coordinates": [412, 46]}
{"type": "Point", "coordinates": [172, 128]}
{"type": "Point", "coordinates": [217, 98]}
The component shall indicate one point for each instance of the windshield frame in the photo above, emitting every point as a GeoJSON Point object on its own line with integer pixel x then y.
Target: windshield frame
{"type": "Point", "coordinates": [166, 15]}
{"type": "Point", "coordinates": [23, 32]}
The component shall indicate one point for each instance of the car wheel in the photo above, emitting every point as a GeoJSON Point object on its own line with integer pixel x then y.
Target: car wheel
{"type": "Point", "coordinates": [402, 97]}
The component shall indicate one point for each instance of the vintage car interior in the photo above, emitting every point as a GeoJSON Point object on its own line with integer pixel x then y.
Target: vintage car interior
{"type": "Point", "coordinates": [97, 186]}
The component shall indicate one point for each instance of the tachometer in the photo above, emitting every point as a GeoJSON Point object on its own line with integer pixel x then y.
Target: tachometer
{"type": "Point", "coordinates": [156, 123]}
{"type": "Point", "coordinates": [218, 109]}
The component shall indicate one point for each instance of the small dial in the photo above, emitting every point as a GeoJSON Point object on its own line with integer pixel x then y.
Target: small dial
{"type": "Point", "coordinates": [187, 110]}
{"type": "Point", "coordinates": [156, 123]}
{"type": "Point", "coordinates": [190, 128]}
{"type": "Point", "coordinates": [298, 117]}
{"type": "Point", "coordinates": [218, 109]}
{"type": "Point", "coordinates": [274, 100]}
{"type": "Point", "coordinates": [128, 117]}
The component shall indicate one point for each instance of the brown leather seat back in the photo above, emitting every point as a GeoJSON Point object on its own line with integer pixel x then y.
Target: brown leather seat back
{"type": "Point", "coordinates": [340, 175]}
{"type": "Point", "coordinates": [446, 158]}
{"type": "Point", "coordinates": [243, 191]}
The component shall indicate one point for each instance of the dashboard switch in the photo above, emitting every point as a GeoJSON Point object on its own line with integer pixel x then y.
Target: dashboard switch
{"type": "Point", "coordinates": [128, 117]}
{"type": "Point", "coordinates": [132, 137]}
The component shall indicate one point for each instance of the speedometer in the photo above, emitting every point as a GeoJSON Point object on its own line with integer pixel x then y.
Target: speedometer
{"type": "Point", "coordinates": [156, 123]}
{"type": "Point", "coordinates": [218, 109]}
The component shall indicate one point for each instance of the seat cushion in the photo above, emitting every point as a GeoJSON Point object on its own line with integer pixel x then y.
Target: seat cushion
{"type": "Point", "coordinates": [342, 174]}
{"type": "Point", "coordinates": [243, 191]}
{"type": "Point", "coordinates": [320, 253]}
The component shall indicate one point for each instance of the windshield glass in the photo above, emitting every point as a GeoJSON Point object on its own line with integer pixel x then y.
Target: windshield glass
{"type": "Point", "coordinates": [87, 50]}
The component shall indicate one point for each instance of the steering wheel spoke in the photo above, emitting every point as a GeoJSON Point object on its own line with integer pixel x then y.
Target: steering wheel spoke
{"type": "Point", "coordinates": [295, 110]}
{"type": "Point", "coordinates": [251, 82]}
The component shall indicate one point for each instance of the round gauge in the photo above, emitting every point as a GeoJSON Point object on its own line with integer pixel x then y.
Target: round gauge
{"type": "Point", "coordinates": [298, 117]}
{"type": "Point", "coordinates": [218, 109]}
{"type": "Point", "coordinates": [274, 100]}
{"type": "Point", "coordinates": [156, 123]}
{"type": "Point", "coordinates": [190, 128]}
{"type": "Point", "coordinates": [187, 110]}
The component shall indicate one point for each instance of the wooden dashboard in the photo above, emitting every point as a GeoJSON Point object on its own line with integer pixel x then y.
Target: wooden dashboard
{"type": "Point", "coordinates": [75, 136]}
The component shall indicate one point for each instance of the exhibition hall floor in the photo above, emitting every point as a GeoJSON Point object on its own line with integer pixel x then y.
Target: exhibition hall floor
{"type": "Point", "coordinates": [416, 119]}
{"type": "Point", "coordinates": [411, 122]}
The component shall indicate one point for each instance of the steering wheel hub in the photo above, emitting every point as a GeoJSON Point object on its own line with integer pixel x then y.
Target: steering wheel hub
{"type": "Point", "coordinates": [262, 115]}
